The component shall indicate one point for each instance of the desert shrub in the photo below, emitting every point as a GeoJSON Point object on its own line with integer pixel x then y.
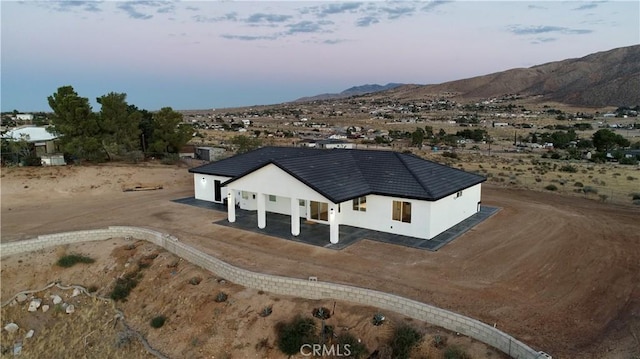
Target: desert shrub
{"type": "Point", "coordinates": [538, 179]}
{"type": "Point", "coordinates": [170, 159]}
{"type": "Point", "coordinates": [221, 297]}
{"type": "Point", "coordinates": [124, 338]}
{"type": "Point", "coordinates": [378, 319]}
{"type": "Point", "coordinates": [134, 156]}
{"type": "Point", "coordinates": [628, 161]}
{"type": "Point", "coordinates": [635, 195]}
{"type": "Point", "coordinates": [603, 197]}
{"type": "Point", "coordinates": [636, 202]}
{"type": "Point", "coordinates": [555, 156]}
{"type": "Point", "coordinates": [551, 187]}
{"type": "Point", "coordinates": [124, 286]}
{"type": "Point", "coordinates": [322, 313]}
{"type": "Point", "coordinates": [454, 352]}
{"type": "Point", "coordinates": [92, 289]}
{"type": "Point", "coordinates": [439, 341]}
{"type": "Point", "coordinates": [631, 178]}
{"type": "Point", "coordinates": [158, 321]}
{"type": "Point", "coordinates": [589, 189]}
{"type": "Point", "coordinates": [578, 184]}
{"type": "Point", "coordinates": [70, 260]}
{"type": "Point", "coordinates": [404, 339]}
{"type": "Point", "coordinates": [292, 335]}
{"type": "Point", "coordinates": [450, 154]}
{"type": "Point", "coordinates": [358, 350]}
{"type": "Point", "coordinates": [32, 161]}
{"type": "Point", "coordinates": [266, 311]}
{"type": "Point", "coordinates": [195, 280]}
{"type": "Point", "coordinates": [569, 168]}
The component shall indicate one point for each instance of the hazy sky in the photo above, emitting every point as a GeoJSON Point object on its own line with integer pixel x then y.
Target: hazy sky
{"type": "Point", "coordinates": [214, 54]}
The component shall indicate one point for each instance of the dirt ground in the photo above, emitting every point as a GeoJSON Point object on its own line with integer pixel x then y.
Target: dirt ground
{"type": "Point", "coordinates": [559, 273]}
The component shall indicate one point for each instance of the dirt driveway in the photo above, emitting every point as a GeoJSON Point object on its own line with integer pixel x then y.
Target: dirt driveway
{"type": "Point", "coordinates": [560, 273]}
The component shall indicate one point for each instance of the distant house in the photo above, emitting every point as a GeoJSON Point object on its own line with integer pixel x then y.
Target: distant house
{"type": "Point", "coordinates": [332, 143]}
{"type": "Point", "coordinates": [42, 143]}
{"type": "Point", "coordinates": [379, 190]}
{"type": "Point", "coordinates": [500, 124]}
{"type": "Point", "coordinates": [24, 117]}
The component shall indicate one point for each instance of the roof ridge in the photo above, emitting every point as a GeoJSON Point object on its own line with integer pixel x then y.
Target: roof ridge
{"type": "Point", "coordinates": [400, 156]}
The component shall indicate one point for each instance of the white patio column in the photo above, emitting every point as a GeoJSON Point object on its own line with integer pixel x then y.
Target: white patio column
{"type": "Point", "coordinates": [334, 230]}
{"type": "Point", "coordinates": [231, 205]}
{"type": "Point", "coordinates": [295, 216]}
{"type": "Point", "coordinates": [262, 214]}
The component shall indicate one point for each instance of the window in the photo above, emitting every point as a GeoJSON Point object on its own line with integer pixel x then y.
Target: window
{"type": "Point", "coordinates": [302, 203]}
{"type": "Point", "coordinates": [272, 198]}
{"type": "Point", "coordinates": [360, 204]}
{"type": "Point", "coordinates": [319, 210]}
{"type": "Point", "coordinates": [459, 194]}
{"type": "Point", "coordinates": [245, 195]}
{"type": "Point", "coordinates": [401, 211]}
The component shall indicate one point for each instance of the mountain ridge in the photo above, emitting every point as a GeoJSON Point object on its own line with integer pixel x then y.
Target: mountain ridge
{"type": "Point", "coordinates": [605, 78]}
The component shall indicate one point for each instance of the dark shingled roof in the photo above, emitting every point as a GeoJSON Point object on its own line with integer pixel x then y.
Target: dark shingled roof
{"type": "Point", "coordinates": [344, 174]}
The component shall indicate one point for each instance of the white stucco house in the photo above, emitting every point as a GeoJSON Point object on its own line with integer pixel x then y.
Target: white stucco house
{"type": "Point", "coordinates": [379, 190]}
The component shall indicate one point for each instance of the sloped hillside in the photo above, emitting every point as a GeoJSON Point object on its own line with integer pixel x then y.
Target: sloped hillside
{"type": "Point", "coordinates": [609, 78]}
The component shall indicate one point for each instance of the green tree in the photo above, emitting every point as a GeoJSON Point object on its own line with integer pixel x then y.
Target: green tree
{"type": "Point", "coordinates": [145, 125]}
{"type": "Point", "coordinates": [245, 144]}
{"type": "Point", "coordinates": [169, 135]}
{"type": "Point", "coordinates": [606, 140]}
{"type": "Point", "coordinates": [417, 137]}
{"type": "Point", "coordinates": [119, 126]}
{"type": "Point", "coordinates": [76, 124]}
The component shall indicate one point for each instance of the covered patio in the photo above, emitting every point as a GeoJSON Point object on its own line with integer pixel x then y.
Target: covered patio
{"type": "Point", "coordinates": [316, 234]}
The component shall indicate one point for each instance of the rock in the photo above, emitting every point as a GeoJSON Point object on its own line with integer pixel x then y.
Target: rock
{"type": "Point", "coordinates": [34, 305]}
{"type": "Point", "coordinates": [11, 327]}
{"type": "Point", "coordinates": [29, 334]}
{"type": "Point", "coordinates": [56, 299]}
{"type": "Point", "coordinates": [70, 309]}
{"type": "Point", "coordinates": [45, 308]}
{"type": "Point", "coordinates": [76, 292]}
{"type": "Point", "coordinates": [21, 297]}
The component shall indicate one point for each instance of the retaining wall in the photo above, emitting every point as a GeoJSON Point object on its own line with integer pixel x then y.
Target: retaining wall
{"type": "Point", "coordinates": [290, 286]}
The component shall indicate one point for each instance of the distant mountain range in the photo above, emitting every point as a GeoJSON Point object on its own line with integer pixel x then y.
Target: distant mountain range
{"type": "Point", "coordinates": [353, 91]}
{"type": "Point", "coordinates": [608, 78]}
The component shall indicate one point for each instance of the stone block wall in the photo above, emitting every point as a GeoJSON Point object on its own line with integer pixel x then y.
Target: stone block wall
{"type": "Point", "coordinates": [290, 286]}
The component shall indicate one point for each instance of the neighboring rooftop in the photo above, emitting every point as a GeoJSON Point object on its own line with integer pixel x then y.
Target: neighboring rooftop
{"type": "Point", "coordinates": [30, 134]}
{"type": "Point", "coordinates": [341, 175]}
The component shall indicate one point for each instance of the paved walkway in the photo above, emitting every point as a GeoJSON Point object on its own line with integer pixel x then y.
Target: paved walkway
{"type": "Point", "coordinates": [317, 234]}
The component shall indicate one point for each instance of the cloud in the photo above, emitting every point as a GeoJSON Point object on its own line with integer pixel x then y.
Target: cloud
{"type": "Point", "coordinates": [433, 5]}
{"type": "Point", "coordinates": [131, 8]}
{"type": "Point", "coordinates": [397, 12]}
{"type": "Point", "coordinates": [537, 7]}
{"type": "Point", "coordinates": [232, 16]}
{"type": "Point", "coordinates": [267, 18]}
{"type": "Point", "coordinates": [587, 6]}
{"type": "Point", "coordinates": [64, 6]}
{"type": "Point", "coordinates": [338, 8]}
{"type": "Point", "coordinates": [366, 21]}
{"type": "Point", "coordinates": [533, 30]}
{"type": "Point", "coordinates": [192, 8]}
{"type": "Point", "coordinates": [307, 27]}
{"type": "Point", "coordinates": [248, 37]}
{"type": "Point", "coordinates": [542, 40]}
{"type": "Point", "coordinates": [333, 42]}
